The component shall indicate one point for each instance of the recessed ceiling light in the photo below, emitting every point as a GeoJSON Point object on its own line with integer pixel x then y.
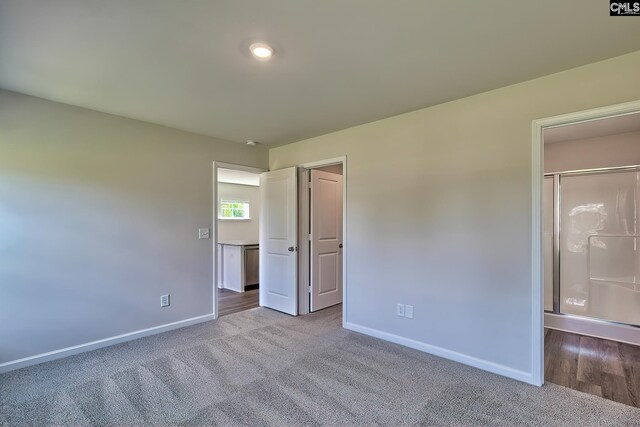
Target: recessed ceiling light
{"type": "Point", "coordinates": [261, 51]}
{"type": "Point", "coordinates": [251, 142]}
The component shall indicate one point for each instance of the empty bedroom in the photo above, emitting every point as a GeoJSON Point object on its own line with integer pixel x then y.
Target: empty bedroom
{"type": "Point", "coordinates": [285, 213]}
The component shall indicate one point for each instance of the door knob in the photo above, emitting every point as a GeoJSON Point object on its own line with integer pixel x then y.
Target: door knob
{"type": "Point", "coordinates": [291, 249]}
{"type": "Point", "coordinates": [340, 245]}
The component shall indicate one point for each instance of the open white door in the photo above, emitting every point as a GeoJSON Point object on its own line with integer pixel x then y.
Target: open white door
{"type": "Point", "coordinates": [278, 241]}
{"type": "Point", "coordinates": [326, 239]}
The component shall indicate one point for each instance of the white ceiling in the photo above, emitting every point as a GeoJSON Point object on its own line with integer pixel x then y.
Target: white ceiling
{"type": "Point", "coordinates": [338, 63]}
{"type": "Point", "coordinates": [231, 176]}
{"type": "Point", "coordinates": [594, 128]}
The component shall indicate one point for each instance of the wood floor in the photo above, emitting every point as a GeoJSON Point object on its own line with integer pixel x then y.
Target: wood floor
{"type": "Point", "coordinates": [233, 302]}
{"type": "Point", "coordinates": [605, 368]}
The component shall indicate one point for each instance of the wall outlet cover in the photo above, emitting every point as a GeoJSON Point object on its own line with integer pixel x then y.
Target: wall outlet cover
{"type": "Point", "coordinates": [400, 310]}
{"type": "Point", "coordinates": [408, 311]}
{"type": "Point", "coordinates": [164, 300]}
{"type": "Point", "coordinates": [203, 233]}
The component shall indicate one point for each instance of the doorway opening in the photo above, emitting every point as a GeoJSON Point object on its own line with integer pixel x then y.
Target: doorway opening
{"type": "Point", "coordinates": [322, 235]}
{"type": "Point", "coordinates": [590, 245]}
{"type": "Point", "coordinates": [237, 224]}
{"type": "Point", "coordinates": [299, 216]}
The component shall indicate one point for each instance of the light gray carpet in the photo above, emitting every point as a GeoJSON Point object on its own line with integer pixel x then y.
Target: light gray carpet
{"type": "Point", "coordinates": [260, 367]}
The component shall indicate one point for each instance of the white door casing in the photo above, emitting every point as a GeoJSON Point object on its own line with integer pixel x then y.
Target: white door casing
{"type": "Point", "coordinates": [278, 241]}
{"type": "Point", "coordinates": [326, 239]}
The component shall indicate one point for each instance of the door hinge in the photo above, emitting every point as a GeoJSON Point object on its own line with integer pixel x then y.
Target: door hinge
{"type": "Point", "coordinates": [309, 288]}
{"type": "Point", "coordinates": [309, 236]}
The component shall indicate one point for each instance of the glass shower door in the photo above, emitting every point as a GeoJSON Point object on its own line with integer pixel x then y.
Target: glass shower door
{"type": "Point", "coordinates": [599, 253]}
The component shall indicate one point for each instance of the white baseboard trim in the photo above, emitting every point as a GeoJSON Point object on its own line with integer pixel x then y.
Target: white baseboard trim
{"type": "Point", "coordinates": [93, 345]}
{"type": "Point", "coordinates": [444, 353]}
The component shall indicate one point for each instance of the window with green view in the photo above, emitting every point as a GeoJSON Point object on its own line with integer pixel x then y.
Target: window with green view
{"type": "Point", "coordinates": [233, 209]}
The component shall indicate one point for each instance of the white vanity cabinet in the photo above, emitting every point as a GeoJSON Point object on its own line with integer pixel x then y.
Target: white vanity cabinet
{"type": "Point", "coordinates": [238, 264]}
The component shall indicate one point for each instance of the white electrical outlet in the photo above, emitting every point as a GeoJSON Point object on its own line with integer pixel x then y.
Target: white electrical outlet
{"type": "Point", "coordinates": [408, 311]}
{"type": "Point", "coordinates": [203, 233]}
{"type": "Point", "coordinates": [400, 310]}
{"type": "Point", "coordinates": [164, 300]}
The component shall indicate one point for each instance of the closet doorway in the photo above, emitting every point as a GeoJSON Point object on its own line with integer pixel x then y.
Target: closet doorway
{"type": "Point", "coordinates": [321, 235]}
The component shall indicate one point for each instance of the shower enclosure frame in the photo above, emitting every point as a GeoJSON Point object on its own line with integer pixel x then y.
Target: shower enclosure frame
{"type": "Point", "coordinates": [537, 229]}
{"type": "Point", "coordinates": [557, 229]}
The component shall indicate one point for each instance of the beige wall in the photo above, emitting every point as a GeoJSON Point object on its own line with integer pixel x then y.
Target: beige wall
{"type": "Point", "coordinates": [240, 230]}
{"type": "Point", "coordinates": [99, 216]}
{"type": "Point", "coordinates": [439, 213]}
{"type": "Point", "coordinates": [607, 151]}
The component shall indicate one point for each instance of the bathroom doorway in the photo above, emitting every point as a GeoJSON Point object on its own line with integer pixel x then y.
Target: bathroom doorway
{"type": "Point", "coordinates": [591, 251]}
